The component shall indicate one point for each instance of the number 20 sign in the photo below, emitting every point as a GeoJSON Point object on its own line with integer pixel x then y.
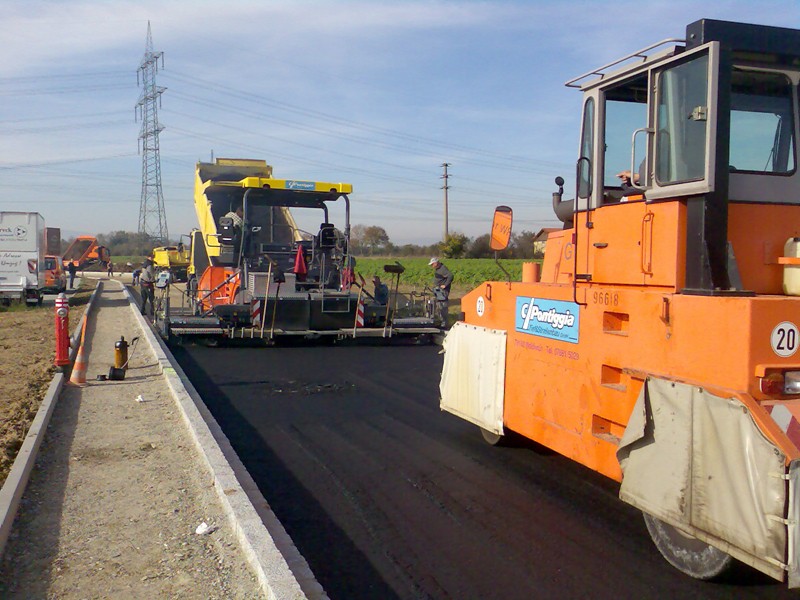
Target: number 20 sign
{"type": "Point", "coordinates": [784, 339]}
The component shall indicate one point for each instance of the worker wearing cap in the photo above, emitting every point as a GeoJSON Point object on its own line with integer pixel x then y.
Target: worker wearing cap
{"type": "Point", "coordinates": [381, 290]}
{"type": "Point", "coordinates": [442, 280]}
{"type": "Point", "coordinates": [147, 281]}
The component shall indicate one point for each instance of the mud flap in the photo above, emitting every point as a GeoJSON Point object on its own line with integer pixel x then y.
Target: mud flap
{"type": "Point", "coordinates": [473, 375]}
{"type": "Point", "coordinates": [794, 524]}
{"type": "Point", "coordinates": [700, 463]}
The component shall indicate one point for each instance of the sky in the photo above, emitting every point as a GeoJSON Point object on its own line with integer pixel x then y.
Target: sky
{"type": "Point", "coordinates": [376, 94]}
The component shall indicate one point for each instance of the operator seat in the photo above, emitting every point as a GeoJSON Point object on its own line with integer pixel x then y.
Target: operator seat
{"type": "Point", "coordinates": [327, 235]}
{"type": "Point", "coordinates": [229, 240]}
{"type": "Point", "coordinates": [227, 231]}
{"type": "Point", "coordinates": [323, 267]}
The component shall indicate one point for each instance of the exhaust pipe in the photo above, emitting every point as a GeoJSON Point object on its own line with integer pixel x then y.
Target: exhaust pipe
{"type": "Point", "coordinates": [564, 209]}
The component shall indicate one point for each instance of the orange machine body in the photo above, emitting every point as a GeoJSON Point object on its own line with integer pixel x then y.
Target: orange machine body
{"type": "Point", "coordinates": [660, 344]}
{"type": "Point", "coordinates": [576, 397]}
{"type": "Point", "coordinates": [218, 285]}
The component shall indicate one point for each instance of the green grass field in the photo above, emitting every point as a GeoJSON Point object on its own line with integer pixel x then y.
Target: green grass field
{"type": "Point", "coordinates": [466, 271]}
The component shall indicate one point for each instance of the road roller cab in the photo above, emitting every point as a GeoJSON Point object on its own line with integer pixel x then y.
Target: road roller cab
{"type": "Point", "coordinates": [659, 345]}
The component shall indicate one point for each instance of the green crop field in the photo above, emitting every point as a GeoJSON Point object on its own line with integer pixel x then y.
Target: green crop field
{"type": "Point", "coordinates": [466, 271]}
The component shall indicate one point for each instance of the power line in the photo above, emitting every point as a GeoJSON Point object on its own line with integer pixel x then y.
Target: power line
{"type": "Point", "coordinates": [62, 76]}
{"type": "Point", "coordinates": [63, 90]}
{"type": "Point", "coordinates": [65, 161]}
{"type": "Point", "coordinates": [62, 117]}
{"type": "Point", "coordinates": [52, 128]}
{"type": "Point", "coordinates": [333, 134]}
{"type": "Point", "coordinates": [226, 90]}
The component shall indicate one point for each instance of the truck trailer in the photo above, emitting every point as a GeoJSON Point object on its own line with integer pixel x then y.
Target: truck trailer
{"type": "Point", "coordinates": [85, 251]}
{"type": "Point", "coordinates": [22, 257]}
{"type": "Point", "coordinates": [659, 346]}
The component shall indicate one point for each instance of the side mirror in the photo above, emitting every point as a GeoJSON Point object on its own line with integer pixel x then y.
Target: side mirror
{"type": "Point", "coordinates": [501, 228]}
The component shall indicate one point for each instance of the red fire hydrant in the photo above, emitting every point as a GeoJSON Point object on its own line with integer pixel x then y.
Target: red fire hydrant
{"type": "Point", "coordinates": [62, 332]}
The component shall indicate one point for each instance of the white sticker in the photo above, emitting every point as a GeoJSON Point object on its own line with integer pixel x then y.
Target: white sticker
{"type": "Point", "coordinates": [784, 339]}
{"type": "Point", "coordinates": [480, 306]}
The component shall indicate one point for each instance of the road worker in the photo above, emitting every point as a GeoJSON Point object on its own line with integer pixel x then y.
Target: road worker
{"type": "Point", "coordinates": [442, 280]}
{"type": "Point", "coordinates": [381, 293]}
{"type": "Point", "coordinates": [147, 281]}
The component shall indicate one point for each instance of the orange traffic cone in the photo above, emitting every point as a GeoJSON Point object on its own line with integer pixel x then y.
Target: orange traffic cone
{"type": "Point", "coordinates": [78, 376]}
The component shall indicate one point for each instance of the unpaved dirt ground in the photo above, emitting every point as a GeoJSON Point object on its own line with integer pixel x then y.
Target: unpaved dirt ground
{"type": "Point", "coordinates": [118, 490]}
{"type": "Point", "coordinates": [27, 347]}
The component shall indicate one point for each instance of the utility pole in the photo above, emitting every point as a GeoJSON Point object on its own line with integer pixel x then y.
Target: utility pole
{"type": "Point", "coordinates": [445, 187]}
{"type": "Point", "coordinates": [152, 217]}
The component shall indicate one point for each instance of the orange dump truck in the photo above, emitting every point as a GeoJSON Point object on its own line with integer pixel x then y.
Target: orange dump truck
{"type": "Point", "coordinates": [85, 251]}
{"type": "Point", "coordinates": [659, 346]}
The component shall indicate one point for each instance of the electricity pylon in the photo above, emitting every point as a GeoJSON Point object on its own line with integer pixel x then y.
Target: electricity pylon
{"type": "Point", "coordinates": [152, 217]}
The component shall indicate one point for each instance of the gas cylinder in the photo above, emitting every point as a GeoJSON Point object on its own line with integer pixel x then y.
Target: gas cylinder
{"type": "Point", "coordinates": [791, 270]}
{"type": "Point", "coordinates": [121, 353]}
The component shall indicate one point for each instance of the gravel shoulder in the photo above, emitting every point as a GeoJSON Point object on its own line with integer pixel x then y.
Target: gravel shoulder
{"type": "Point", "coordinates": [27, 347]}
{"type": "Point", "coordinates": [118, 491]}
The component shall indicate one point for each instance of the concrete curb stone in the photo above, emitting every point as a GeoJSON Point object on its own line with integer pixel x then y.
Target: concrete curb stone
{"type": "Point", "coordinates": [281, 570]}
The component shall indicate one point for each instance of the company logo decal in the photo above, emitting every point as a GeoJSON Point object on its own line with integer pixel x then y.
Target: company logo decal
{"type": "Point", "coordinates": [17, 232]}
{"type": "Point", "coordinates": [552, 319]}
{"type": "Point", "coordinates": [300, 185]}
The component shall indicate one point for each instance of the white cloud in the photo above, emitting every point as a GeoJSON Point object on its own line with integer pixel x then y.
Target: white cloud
{"type": "Point", "coordinates": [458, 77]}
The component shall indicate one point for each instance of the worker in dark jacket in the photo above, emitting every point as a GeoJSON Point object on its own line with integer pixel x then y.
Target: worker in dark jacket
{"type": "Point", "coordinates": [72, 270]}
{"type": "Point", "coordinates": [442, 280]}
{"type": "Point", "coordinates": [381, 291]}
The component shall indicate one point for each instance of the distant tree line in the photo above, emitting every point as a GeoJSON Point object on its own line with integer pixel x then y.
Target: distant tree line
{"type": "Point", "coordinates": [372, 240]}
{"type": "Point", "coordinates": [122, 243]}
{"type": "Point", "coordinates": [365, 240]}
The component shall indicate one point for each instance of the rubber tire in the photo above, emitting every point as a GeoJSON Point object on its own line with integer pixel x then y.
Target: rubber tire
{"type": "Point", "coordinates": [689, 555]}
{"type": "Point", "coordinates": [493, 439]}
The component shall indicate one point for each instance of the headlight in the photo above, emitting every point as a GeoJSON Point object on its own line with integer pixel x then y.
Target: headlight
{"type": "Point", "coordinates": [780, 382]}
{"type": "Point", "coordinates": [791, 382]}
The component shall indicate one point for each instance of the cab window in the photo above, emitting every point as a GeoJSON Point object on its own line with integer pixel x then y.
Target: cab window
{"type": "Point", "coordinates": [762, 125]}
{"type": "Point", "coordinates": [626, 111]}
{"type": "Point", "coordinates": [682, 121]}
{"type": "Point", "coordinates": [587, 150]}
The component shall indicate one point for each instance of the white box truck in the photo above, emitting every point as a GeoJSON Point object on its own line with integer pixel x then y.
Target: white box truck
{"type": "Point", "coordinates": [22, 250]}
